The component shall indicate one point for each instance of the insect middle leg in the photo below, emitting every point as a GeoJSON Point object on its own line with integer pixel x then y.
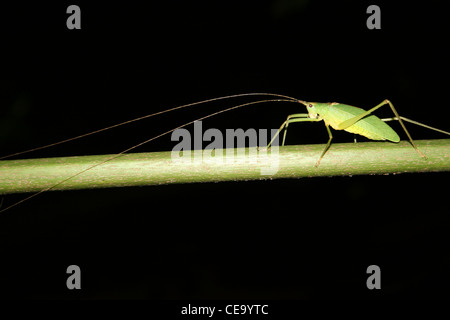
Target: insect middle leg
{"type": "Point", "coordinates": [330, 137]}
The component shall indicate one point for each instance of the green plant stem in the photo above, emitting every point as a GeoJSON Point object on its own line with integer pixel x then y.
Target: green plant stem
{"type": "Point", "coordinates": [142, 169]}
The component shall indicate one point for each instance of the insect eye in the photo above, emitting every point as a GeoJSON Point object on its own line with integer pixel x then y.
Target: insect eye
{"type": "Point", "coordinates": [310, 105]}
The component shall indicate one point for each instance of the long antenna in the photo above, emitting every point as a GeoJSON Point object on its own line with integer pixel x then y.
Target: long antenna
{"type": "Point", "coordinates": [148, 116]}
{"type": "Point", "coordinates": [289, 99]}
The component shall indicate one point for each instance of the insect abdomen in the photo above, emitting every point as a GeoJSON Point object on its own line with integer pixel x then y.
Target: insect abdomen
{"type": "Point", "coordinates": [382, 131]}
{"type": "Point", "coordinates": [370, 127]}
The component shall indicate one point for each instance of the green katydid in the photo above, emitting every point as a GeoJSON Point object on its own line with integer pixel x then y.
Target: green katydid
{"type": "Point", "coordinates": [338, 116]}
{"type": "Point", "coordinates": [351, 119]}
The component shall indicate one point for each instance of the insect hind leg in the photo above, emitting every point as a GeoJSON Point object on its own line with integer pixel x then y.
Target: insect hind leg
{"type": "Point", "coordinates": [416, 123]}
{"type": "Point", "coordinates": [404, 128]}
{"type": "Point", "coordinates": [351, 121]}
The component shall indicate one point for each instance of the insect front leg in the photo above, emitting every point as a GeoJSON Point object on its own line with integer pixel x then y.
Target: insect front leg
{"type": "Point", "coordinates": [303, 117]}
{"type": "Point", "coordinates": [296, 117]}
{"type": "Point", "coordinates": [289, 120]}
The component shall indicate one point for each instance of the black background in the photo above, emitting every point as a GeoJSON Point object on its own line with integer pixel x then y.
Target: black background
{"type": "Point", "coordinates": [280, 239]}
